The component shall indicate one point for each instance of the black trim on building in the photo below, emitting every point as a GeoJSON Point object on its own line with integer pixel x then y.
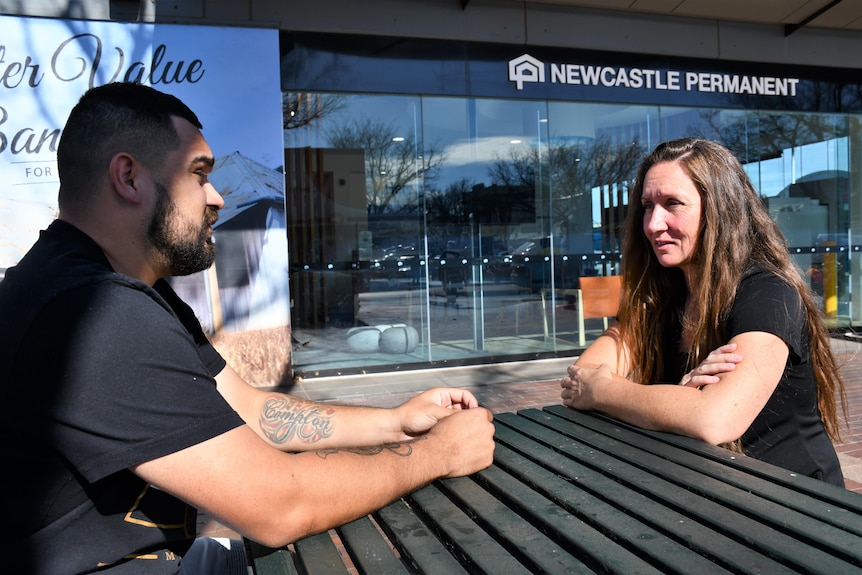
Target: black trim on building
{"type": "Point", "coordinates": [379, 64]}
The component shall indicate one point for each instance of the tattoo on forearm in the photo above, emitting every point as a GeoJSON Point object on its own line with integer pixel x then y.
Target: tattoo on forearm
{"type": "Point", "coordinates": [404, 449]}
{"type": "Point", "coordinates": [283, 418]}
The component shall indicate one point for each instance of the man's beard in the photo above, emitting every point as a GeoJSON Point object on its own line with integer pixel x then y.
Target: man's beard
{"type": "Point", "coordinates": [182, 244]}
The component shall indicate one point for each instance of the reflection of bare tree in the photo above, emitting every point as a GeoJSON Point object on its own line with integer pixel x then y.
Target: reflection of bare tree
{"type": "Point", "coordinates": [574, 171]}
{"type": "Point", "coordinates": [516, 190]}
{"type": "Point", "coordinates": [448, 206]}
{"type": "Point", "coordinates": [301, 109]}
{"type": "Point", "coordinates": [393, 162]}
{"type": "Point", "coordinates": [852, 96]}
{"type": "Point", "coordinates": [579, 169]}
{"type": "Point", "coordinates": [446, 215]}
{"type": "Point", "coordinates": [518, 170]}
{"type": "Point", "coordinates": [754, 136]}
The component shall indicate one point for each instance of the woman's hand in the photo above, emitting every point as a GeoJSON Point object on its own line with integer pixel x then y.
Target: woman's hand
{"type": "Point", "coordinates": [721, 360]}
{"type": "Point", "coordinates": [580, 384]}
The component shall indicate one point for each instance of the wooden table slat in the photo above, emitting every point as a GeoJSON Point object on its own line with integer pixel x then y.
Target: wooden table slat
{"type": "Point", "coordinates": [704, 499]}
{"type": "Point", "coordinates": [827, 502]}
{"type": "Point", "coordinates": [670, 485]}
{"type": "Point", "coordinates": [317, 555]}
{"type": "Point", "coordinates": [418, 545]}
{"type": "Point", "coordinates": [594, 532]}
{"type": "Point", "coordinates": [267, 561]}
{"type": "Point", "coordinates": [727, 478]}
{"type": "Point", "coordinates": [369, 550]}
{"type": "Point", "coordinates": [753, 469]}
{"type": "Point", "coordinates": [477, 550]}
{"type": "Point", "coordinates": [654, 533]}
{"type": "Point", "coordinates": [536, 550]}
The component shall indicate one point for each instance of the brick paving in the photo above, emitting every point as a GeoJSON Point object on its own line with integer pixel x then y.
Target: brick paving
{"type": "Point", "coordinates": [850, 450]}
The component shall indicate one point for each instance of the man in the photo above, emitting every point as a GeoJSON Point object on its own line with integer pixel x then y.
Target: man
{"type": "Point", "coordinates": [120, 419]}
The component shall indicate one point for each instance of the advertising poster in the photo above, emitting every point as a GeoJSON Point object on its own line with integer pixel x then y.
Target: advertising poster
{"type": "Point", "coordinates": [230, 78]}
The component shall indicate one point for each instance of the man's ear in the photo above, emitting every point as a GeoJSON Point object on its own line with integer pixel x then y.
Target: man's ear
{"type": "Point", "coordinates": [123, 170]}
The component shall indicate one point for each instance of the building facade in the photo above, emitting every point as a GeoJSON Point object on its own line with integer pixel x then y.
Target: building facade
{"type": "Point", "coordinates": [452, 169]}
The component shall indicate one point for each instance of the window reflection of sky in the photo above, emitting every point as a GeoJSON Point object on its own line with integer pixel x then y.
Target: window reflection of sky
{"type": "Point", "coordinates": [471, 134]}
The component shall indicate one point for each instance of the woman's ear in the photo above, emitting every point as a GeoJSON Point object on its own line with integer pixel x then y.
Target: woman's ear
{"type": "Point", "coordinates": [123, 170]}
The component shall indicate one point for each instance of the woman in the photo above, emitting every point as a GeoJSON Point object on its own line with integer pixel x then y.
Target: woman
{"type": "Point", "coordinates": [711, 301]}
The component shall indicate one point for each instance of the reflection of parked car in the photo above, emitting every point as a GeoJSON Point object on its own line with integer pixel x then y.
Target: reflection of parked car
{"type": "Point", "coordinates": [451, 274]}
{"type": "Point", "coordinates": [498, 269]}
{"type": "Point", "coordinates": [395, 261]}
{"type": "Point", "coordinates": [532, 247]}
{"type": "Point", "coordinates": [529, 268]}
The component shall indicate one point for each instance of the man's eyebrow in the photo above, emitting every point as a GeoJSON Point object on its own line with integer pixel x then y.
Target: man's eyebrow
{"type": "Point", "coordinates": [208, 161]}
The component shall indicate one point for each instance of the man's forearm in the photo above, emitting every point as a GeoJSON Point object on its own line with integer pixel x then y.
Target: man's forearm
{"type": "Point", "coordinates": [293, 424]}
{"type": "Point", "coordinates": [284, 419]}
{"type": "Point", "coordinates": [401, 449]}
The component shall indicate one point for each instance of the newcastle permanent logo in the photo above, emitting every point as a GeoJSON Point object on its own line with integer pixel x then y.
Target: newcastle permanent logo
{"type": "Point", "coordinates": [526, 69]}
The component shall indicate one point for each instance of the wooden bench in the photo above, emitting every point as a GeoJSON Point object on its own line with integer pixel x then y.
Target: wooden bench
{"type": "Point", "coordinates": [573, 492]}
{"type": "Point", "coordinates": [597, 297]}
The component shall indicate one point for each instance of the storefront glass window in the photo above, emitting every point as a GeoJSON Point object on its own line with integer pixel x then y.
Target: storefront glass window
{"type": "Point", "coordinates": [446, 230]}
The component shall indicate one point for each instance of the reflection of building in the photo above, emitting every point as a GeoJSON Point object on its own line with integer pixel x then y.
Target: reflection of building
{"type": "Point", "coordinates": [812, 213]}
{"type": "Point", "coordinates": [327, 219]}
{"type": "Point", "coordinates": [497, 204]}
{"type": "Point", "coordinates": [829, 189]}
{"type": "Point", "coordinates": [612, 225]}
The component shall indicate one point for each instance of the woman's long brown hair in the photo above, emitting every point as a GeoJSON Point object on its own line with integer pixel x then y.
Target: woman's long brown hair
{"type": "Point", "coordinates": [736, 230]}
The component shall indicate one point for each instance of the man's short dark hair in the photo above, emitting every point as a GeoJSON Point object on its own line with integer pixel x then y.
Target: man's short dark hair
{"type": "Point", "coordinates": [118, 117]}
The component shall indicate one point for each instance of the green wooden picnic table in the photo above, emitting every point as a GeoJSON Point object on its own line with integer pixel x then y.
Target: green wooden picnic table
{"type": "Point", "coordinates": [574, 492]}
